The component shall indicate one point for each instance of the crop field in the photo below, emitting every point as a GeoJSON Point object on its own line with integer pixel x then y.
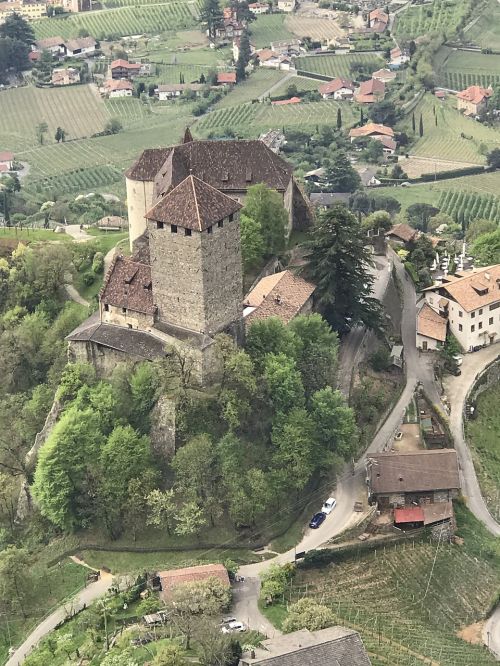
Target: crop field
{"type": "Point", "coordinates": [80, 180]}
{"type": "Point", "coordinates": [465, 68]}
{"type": "Point", "coordinates": [409, 600]}
{"type": "Point", "coordinates": [128, 109]}
{"type": "Point", "coordinates": [449, 135]}
{"type": "Point", "coordinates": [486, 31]}
{"type": "Point", "coordinates": [464, 206]}
{"type": "Point", "coordinates": [132, 20]}
{"type": "Point", "coordinates": [249, 120]}
{"type": "Point", "coordinates": [338, 65]}
{"type": "Point", "coordinates": [319, 29]}
{"type": "Point", "coordinates": [440, 16]}
{"type": "Point", "coordinates": [256, 84]}
{"type": "Point", "coordinates": [77, 109]}
{"type": "Point", "coordinates": [172, 73]}
{"type": "Point", "coordinates": [269, 28]}
{"type": "Point", "coordinates": [300, 82]}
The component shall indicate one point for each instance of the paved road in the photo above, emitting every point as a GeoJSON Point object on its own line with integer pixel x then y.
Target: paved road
{"type": "Point", "coordinates": [85, 597]}
{"type": "Point", "coordinates": [457, 389]}
{"type": "Point", "coordinates": [491, 631]}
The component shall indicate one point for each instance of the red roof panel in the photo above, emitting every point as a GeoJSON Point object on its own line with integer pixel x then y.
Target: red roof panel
{"type": "Point", "coordinates": [410, 514]}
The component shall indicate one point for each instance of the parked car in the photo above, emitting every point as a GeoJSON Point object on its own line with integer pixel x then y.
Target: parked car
{"type": "Point", "coordinates": [329, 505]}
{"type": "Point", "coordinates": [317, 519]}
{"type": "Point", "coordinates": [233, 627]}
{"type": "Point", "coordinates": [458, 359]}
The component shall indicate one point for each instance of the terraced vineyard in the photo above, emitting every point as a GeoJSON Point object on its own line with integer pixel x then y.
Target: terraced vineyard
{"type": "Point", "coordinates": [465, 68]}
{"type": "Point", "coordinates": [78, 109]}
{"type": "Point", "coordinates": [464, 206]}
{"type": "Point", "coordinates": [439, 16]}
{"type": "Point", "coordinates": [269, 28]}
{"type": "Point", "coordinates": [241, 119]}
{"type": "Point", "coordinates": [486, 31]}
{"type": "Point", "coordinates": [300, 82]}
{"type": "Point", "coordinates": [257, 84]}
{"type": "Point", "coordinates": [406, 610]}
{"type": "Point", "coordinates": [131, 20]}
{"type": "Point", "coordinates": [338, 65]}
{"type": "Point", "coordinates": [80, 180]}
{"type": "Point", "coordinates": [129, 109]}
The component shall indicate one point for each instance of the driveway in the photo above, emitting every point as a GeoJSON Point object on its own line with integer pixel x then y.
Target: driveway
{"type": "Point", "coordinates": [491, 632]}
{"type": "Point", "coordinates": [77, 234]}
{"type": "Point", "coordinates": [457, 389]}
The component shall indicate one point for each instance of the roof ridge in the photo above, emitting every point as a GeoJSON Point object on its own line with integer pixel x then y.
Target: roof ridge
{"type": "Point", "coordinates": [196, 202]}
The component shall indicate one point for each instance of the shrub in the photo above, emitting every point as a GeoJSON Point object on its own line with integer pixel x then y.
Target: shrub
{"type": "Point", "coordinates": [380, 360]}
{"type": "Point", "coordinates": [88, 279]}
{"type": "Point", "coordinates": [98, 263]}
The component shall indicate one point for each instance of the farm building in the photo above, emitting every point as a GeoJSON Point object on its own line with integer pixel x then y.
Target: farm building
{"type": "Point", "coordinates": [338, 88]}
{"type": "Point", "coordinates": [378, 20]}
{"type": "Point", "coordinates": [65, 76]}
{"type": "Point", "coordinates": [335, 646]}
{"type": "Point", "coordinates": [423, 477]}
{"type": "Point", "coordinates": [370, 91]}
{"type": "Point", "coordinates": [470, 303]}
{"type": "Point", "coordinates": [120, 88]}
{"type": "Point", "coordinates": [384, 75]}
{"type": "Point", "coordinates": [81, 46]}
{"type": "Point", "coordinates": [398, 58]}
{"type": "Point", "coordinates": [286, 47]}
{"type": "Point", "coordinates": [283, 295]}
{"type": "Point", "coordinates": [287, 5]}
{"type": "Point", "coordinates": [170, 90]}
{"type": "Point", "coordinates": [121, 69]}
{"type": "Point", "coordinates": [473, 100]}
{"type": "Point", "coordinates": [53, 44]}
{"type": "Point", "coordinates": [431, 329]}
{"type": "Point", "coordinates": [284, 102]}
{"type": "Point", "coordinates": [371, 130]}
{"type": "Point", "coordinates": [6, 159]}
{"type": "Point", "coordinates": [258, 8]}
{"type": "Point", "coordinates": [169, 580]}
{"type": "Point", "coordinates": [401, 234]}
{"type": "Point", "coordinates": [411, 517]}
{"type": "Point", "coordinates": [226, 78]}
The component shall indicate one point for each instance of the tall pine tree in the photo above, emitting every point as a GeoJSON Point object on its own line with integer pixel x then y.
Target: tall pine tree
{"type": "Point", "coordinates": [413, 124]}
{"type": "Point", "coordinates": [243, 57]}
{"type": "Point", "coordinates": [211, 16]}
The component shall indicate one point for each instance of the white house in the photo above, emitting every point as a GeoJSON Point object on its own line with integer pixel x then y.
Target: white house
{"type": "Point", "coordinates": [79, 47]}
{"type": "Point", "coordinates": [118, 88]}
{"type": "Point", "coordinates": [431, 329]}
{"type": "Point", "coordinates": [470, 302]}
{"type": "Point", "coordinates": [258, 8]}
{"type": "Point", "coordinates": [171, 90]}
{"type": "Point", "coordinates": [236, 48]}
{"type": "Point", "coordinates": [398, 58]}
{"type": "Point", "coordinates": [287, 5]}
{"type": "Point", "coordinates": [338, 88]}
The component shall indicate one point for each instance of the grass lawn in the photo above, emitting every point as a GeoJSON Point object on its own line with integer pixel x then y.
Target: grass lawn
{"type": "Point", "coordinates": [300, 82]}
{"type": "Point", "coordinates": [406, 609]}
{"type": "Point", "coordinates": [269, 28]}
{"type": "Point", "coordinates": [454, 137]}
{"type": "Point", "coordinates": [465, 68]}
{"type": "Point", "coordinates": [337, 65]}
{"type": "Point", "coordinates": [483, 434]}
{"type": "Point", "coordinates": [33, 235]}
{"type": "Point", "coordinates": [486, 32]}
{"type": "Point", "coordinates": [257, 84]}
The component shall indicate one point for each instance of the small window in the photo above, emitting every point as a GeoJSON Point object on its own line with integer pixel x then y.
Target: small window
{"type": "Point", "coordinates": [472, 315]}
{"type": "Point", "coordinates": [495, 306]}
{"type": "Point", "coordinates": [480, 325]}
{"type": "Point", "coordinates": [160, 225]}
{"type": "Point", "coordinates": [481, 311]}
{"type": "Point", "coordinates": [124, 310]}
{"type": "Point", "coordinates": [173, 228]}
{"type": "Point", "coordinates": [106, 308]}
{"type": "Point", "coordinates": [472, 328]}
{"type": "Point", "coordinates": [231, 217]}
{"type": "Point", "coordinates": [129, 325]}
{"type": "Point", "coordinates": [460, 313]}
{"type": "Point", "coordinates": [490, 321]}
{"type": "Point", "coordinates": [209, 230]}
{"type": "Point", "coordinates": [460, 327]}
{"type": "Point", "coordinates": [187, 232]}
{"type": "Point", "coordinates": [220, 224]}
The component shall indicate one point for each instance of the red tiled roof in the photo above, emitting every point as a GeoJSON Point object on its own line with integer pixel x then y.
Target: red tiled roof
{"type": "Point", "coordinates": [410, 514]}
{"type": "Point", "coordinates": [281, 295]}
{"type": "Point", "coordinates": [379, 14]}
{"type": "Point", "coordinates": [371, 87]}
{"type": "Point", "coordinates": [117, 84]}
{"type": "Point", "coordinates": [475, 94]}
{"type": "Point", "coordinates": [335, 85]}
{"type": "Point", "coordinates": [128, 285]}
{"type": "Point", "coordinates": [6, 156]}
{"type": "Point", "coordinates": [175, 577]}
{"type": "Point", "coordinates": [226, 77]}
{"type": "Point", "coordinates": [292, 100]}
{"type": "Point", "coordinates": [3, 168]}
{"type": "Point", "coordinates": [371, 128]}
{"type": "Point", "coordinates": [430, 324]}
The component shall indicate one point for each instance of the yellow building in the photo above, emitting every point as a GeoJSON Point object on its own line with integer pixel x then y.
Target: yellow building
{"type": "Point", "coordinates": [31, 11]}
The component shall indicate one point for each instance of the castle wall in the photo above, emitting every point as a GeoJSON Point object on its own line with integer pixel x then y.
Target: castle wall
{"type": "Point", "coordinates": [139, 201]}
{"type": "Point", "coordinates": [126, 318]}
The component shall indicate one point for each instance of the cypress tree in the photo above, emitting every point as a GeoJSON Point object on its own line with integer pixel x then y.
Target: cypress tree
{"type": "Point", "coordinates": [421, 126]}
{"type": "Point", "coordinates": [413, 126]}
{"type": "Point", "coordinates": [339, 118]}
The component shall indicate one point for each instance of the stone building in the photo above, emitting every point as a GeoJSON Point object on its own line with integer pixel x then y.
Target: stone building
{"type": "Point", "coordinates": [228, 166]}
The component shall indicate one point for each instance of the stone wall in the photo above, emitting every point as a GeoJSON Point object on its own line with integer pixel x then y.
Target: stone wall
{"type": "Point", "coordinates": [162, 432]}
{"type": "Point", "coordinates": [139, 201]}
{"type": "Point", "coordinates": [127, 319]}
{"type": "Point", "coordinates": [104, 359]}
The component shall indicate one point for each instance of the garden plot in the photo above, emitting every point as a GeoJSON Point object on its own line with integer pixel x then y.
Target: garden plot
{"type": "Point", "coordinates": [318, 29]}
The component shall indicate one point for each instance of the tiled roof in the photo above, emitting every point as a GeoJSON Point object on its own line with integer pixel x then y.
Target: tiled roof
{"type": "Point", "coordinates": [371, 87]}
{"type": "Point", "coordinates": [334, 85]}
{"type": "Point", "coordinates": [128, 285]}
{"type": "Point", "coordinates": [402, 231]}
{"type": "Point", "coordinates": [49, 42]}
{"type": "Point", "coordinates": [410, 514]}
{"type": "Point", "coordinates": [430, 324]}
{"type": "Point", "coordinates": [124, 63]}
{"type": "Point", "coordinates": [179, 87]}
{"type": "Point", "coordinates": [387, 142]}
{"type": "Point", "coordinates": [193, 204]}
{"type": "Point", "coordinates": [226, 77]}
{"type": "Point", "coordinates": [283, 102]}
{"type": "Point", "coordinates": [80, 43]}
{"type": "Point", "coordinates": [266, 54]}
{"type": "Point", "coordinates": [335, 646]}
{"type": "Point", "coordinates": [381, 74]}
{"type": "Point", "coordinates": [475, 94]}
{"type": "Point", "coordinates": [281, 295]}
{"type": "Point", "coordinates": [173, 578]}
{"type": "Point", "coordinates": [117, 84]}
{"type": "Point", "coordinates": [477, 289]}
{"type": "Point", "coordinates": [371, 128]}
{"type": "Point", "coordinates": [414, 472]}
{"type": "Point", "coordinates": [148, 164]}
{"type": "Point", "coordinates": [379, 14]}
{"type": "Point", "coordinates": [6, 156]}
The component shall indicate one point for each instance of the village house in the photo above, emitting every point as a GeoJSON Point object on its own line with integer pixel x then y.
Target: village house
{"type": "Point", "coordinates": [431, 329]}
{"type": "Point", "coordinates": [416, 477]}
{"type": "Point", "coordinates": [258, 8]}
{"type": "Point", "coordinates": [236, 48]}
{"type": "Point", "coordinates": [65, 76]}
{"type": "Point", "coordinates": [338, 88]}
{"type": "Point", "coordinates": [31, 11]}
{"type": "Point", "coordinates": [6, 160]}
{"type": "Point", "coordinates": [229, 29]}
{"type": "Point", "coordinates": [172, 579]}
{"type": "Point", "coordinates": [283, 295]}
{"type": "Point", "coordinates": [370, 92]}
{"type": "Point", "coordinates": [372, 131]}
{"type": "Point", "coordinates": [384, 75]}
{"type": "Point", "coordinates": [470, 302]}
{"type": "Point", "coordinates": [368, 177]}
{"type": "Point", "coordinates": [326, 200]}
{"type": "Point", "coordinates": [473, 100]}
{"type": "Point", "coordinates": [398, 58]}
{"type": "Point", "coordinates": [401, 234]}
{"type": "Point", "coordinates": [426, 515]}
{"type": "Point", "coordinates": [81, 46]}
{"type": "Point", "coordinates": [120, 88]}
{"type": "Point", "coordinates": [167, 91]}
{"type": "Point", "coordinates": [226, 78]}
{"type": "Point", "coordinates": [287, 5]}
{"type": "Point", "coordinates": [54, 45]}
{"type": "Point", "coordinates": [335, 646]}
{"type": "Point", "coordinates": [76, 6]}
{"type": "Point", "coordinates": [286, 47]}
{"type": "Point", "coordinates": [121, 69]}
{"type": "Point", "coordinates": [268, 58]}
{"type": "Point", "coordinates": [378, 20]}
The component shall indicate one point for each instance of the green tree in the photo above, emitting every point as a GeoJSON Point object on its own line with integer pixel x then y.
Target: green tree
{"type": "Point", "coordinates": [380, 219]}
{"type": "Point", "coordinates": [339, 118]}
{"type": "Point", "coordinates": [41, 129]}
{"type": "Point", "coordinates": [384, 112]}
{"type": "Point", "coordinates": [265, 206]}
{"type": "Point", "coordinates": [135, 508]}
{"type": "Point", "coordinates": [340, 175]}
{"type": "Point", "coordinates": [338, 265]}
{"type": "Point", "coordinates": [479, 227]}
{"type": "Point", "coordinates": [419, 215]}
{"type": "Point", "coordinates": [270, 336]}
{"type": "Point", "coordinates": [162, 508]}
{"type": "Point", "coordinates": [252, 242]}
{"type": "Point", "coordinates": [334, 423]}
{"type": "Point", "coordinates": [17, 28]}
{"type": "Point", "coordinates": [486, 249]}
{"type": "Point", "coordinates": [60, 135]}
{"type": "Point", "coordinates": [15, 578]}
{"type": "Point", "coordinates": [292, 437]}
{"type": "Point", "coordinates": [421, 126]}
{"type": "Point", "coordinates": [283, 382]}
{"type": "Point", "coordinates": [211, 17]}
{"type": "Point", "coordinates": [144, 385]}
{"type": "Point", "coordinates": [493, 158]}
{"type": "Point", "coordinates": [275, 580]}
{"type": "Point", "coordinates": [113, 126]}
{"type": "Point", "coordinates": [170, 654]}
{"type": "Point", "coordinates": [308, 614]}
{"type": "Point", "coordinates": [243, 56]}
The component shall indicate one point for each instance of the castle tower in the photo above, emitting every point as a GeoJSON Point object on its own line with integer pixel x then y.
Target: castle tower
{"type": "Point", "coordinates": [196, 273]}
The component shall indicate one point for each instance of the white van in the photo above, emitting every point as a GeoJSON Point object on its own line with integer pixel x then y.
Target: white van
{"type": "Point", "coordinates": [329, 505]}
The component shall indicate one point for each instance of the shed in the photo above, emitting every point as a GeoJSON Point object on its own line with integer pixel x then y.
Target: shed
{"type": "Point", "coordinates": [397, 356]}
{"type": "Point", "coordinates": [409, 517]}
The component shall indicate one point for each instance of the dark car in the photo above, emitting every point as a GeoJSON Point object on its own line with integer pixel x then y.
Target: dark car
{"type": "Point", "coordinates": [317, 519]}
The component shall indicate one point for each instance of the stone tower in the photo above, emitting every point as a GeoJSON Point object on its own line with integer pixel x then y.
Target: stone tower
{"type": "Point", "coordinates": [196, 273]}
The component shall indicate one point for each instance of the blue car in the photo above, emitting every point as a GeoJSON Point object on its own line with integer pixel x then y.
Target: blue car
{"type": "Point", "coordinates": [317, 519]}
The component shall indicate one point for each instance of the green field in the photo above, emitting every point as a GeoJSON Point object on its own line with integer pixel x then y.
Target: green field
{"type": "Point", "coordinates": [132, 20]}
{"type": "Point", "coordinates": [486, 32]}
{"type": "Point", "coordinates": [408, 601]}
{"type": "Point", "coordinates": [465, 68]}
{"type": "Point", "coordinates": [256, 84]}
{"type": "Point", "coordinates": [78, 109]}
{"type": "Point", "coordinates": [439, 16]}
{"type": "Point", "coordinates": [249, 120]}
{"type": "Point", "coordinates": [269, 28]}
{"type": "Point", "coordinates": [454, 137]}
{"type": "Point", "coordinates": [483, 434]}
{"type": "Point", "coordinates": [338, 65]}
{"type": "Point", "coordinates": [465, 206]}
{"type": "Point", "coordinates": [300, 82]}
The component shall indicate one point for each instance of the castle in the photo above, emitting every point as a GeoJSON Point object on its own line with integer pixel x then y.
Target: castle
{"type": "Point", "coordinates": [183, 283]}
